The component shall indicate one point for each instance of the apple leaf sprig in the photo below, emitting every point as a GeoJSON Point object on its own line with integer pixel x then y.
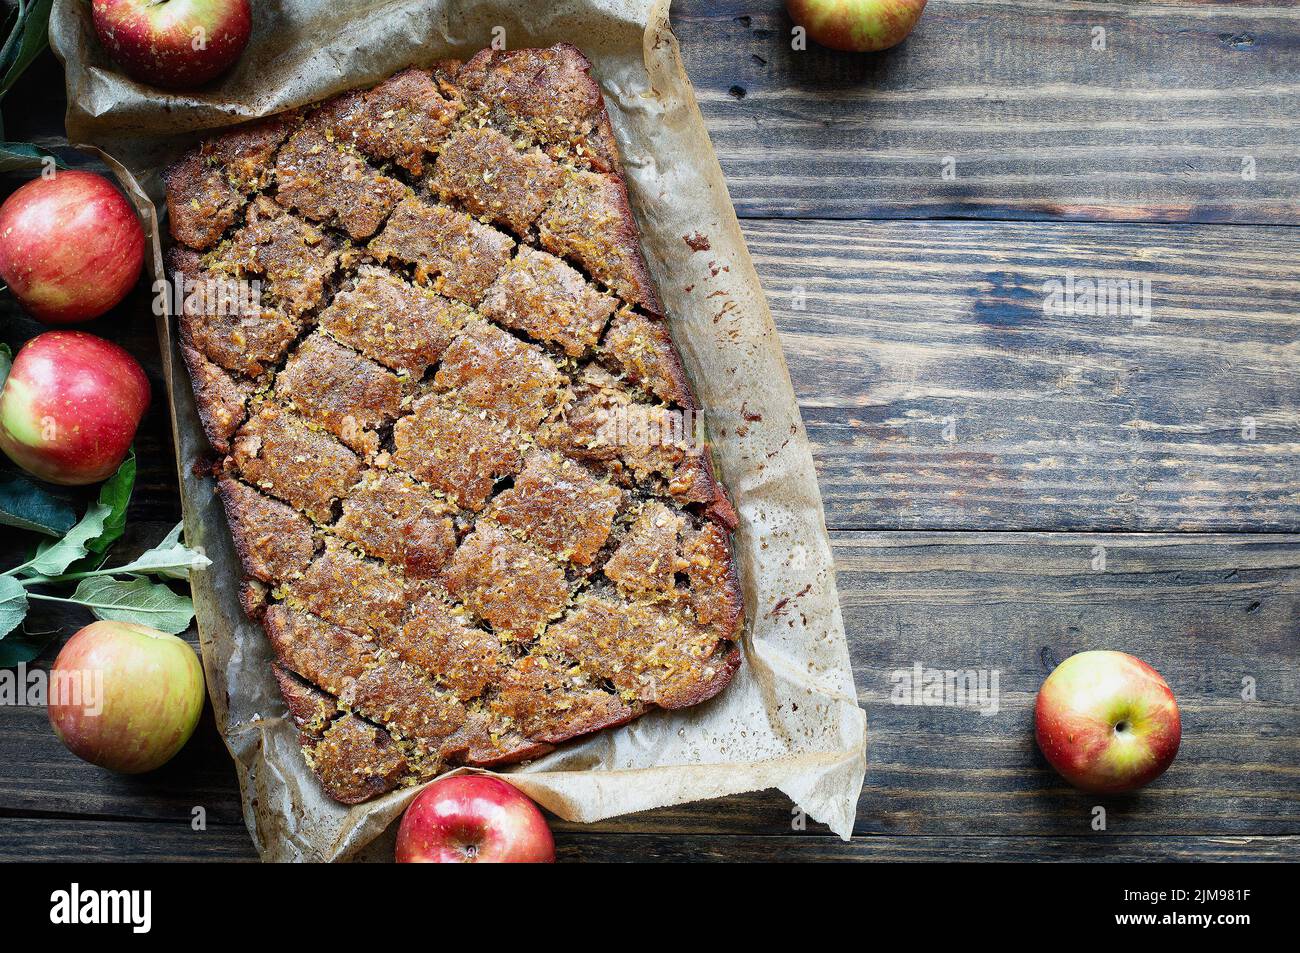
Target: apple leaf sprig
{"type": "Point", "coordinates": [73, 556]}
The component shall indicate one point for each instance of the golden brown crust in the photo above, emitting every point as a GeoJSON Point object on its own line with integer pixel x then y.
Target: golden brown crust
{"type": "Point", "coordinates": [225, 319]}
{"type": "Point", "coordinates": [357, 761]}
{"type": "Point", "coordinates": [460, 254]}
{"type": "Point", "coordinates": [509, 584]}
{"type": "Point", "coordinates": [254, 598]}
{"type": "Point", "coordinates": [489, 176]}
{"type": "Point", "coordinates": [398, 324]}
{"type": "Point", "coordinates": [407, 701]}
{"type": "Point", "coordinates": [653, 652]}
{"type": "Point", "coordinates": [549, 701]}
{"type": "Point", "coordinates": [645, 443]}
{"type": "Point", "coordinates": [404, 119]}
{"type": "Point", "coordinates": [201, 202]}
{"type": "Point", "coordinates": [383, 690]}
{"type": "Point", "coordinates": [278, 453]}
{"type": "Point", "coordinates": [461, 454]}
{"type": "Point", "coordinates": [558, 505]}
{"type": "Point", "coordinates": [208, 186]}
{"type": "Point", "coordinates": [443, 640]}
{"type": "Point", "coordinates": [491, 370]}
{"type": "Point", "coordinates": [354, 593]}
{"type": "Point", "coordinates": [310, 708]}
{"type": "Point", "coordinates": [543, 97]}
{"type": "Point", "coordinates": [247, 152]}
{"type": "Point", "coordinates": [715, 591]}
{"type": "Point", "coordinates": [273, 540]}
{"type": "Point", "coordinates": [648, 557]}
{"type": "Point", "coordinates": [462, 468]}
{"type": "Point", "coordinates": [589, 222]}
{"type": "Point", "coordinates": [326, 181]}
{"type": "Point", "coordinates": [220, 398]}
{"type": "Point", "coordinates": [484, 747]}
{"type": "Point", "coordinates": [643, 350]}
{"type": "Point", "coordinates": [349, 395]}
{"type": "Point", "coordinates": [295, 257]}
{"type": "Point", "coordinates": [392, 517]}
{"type": "Point", "coordinates": [323, 654]}
{"type": "Point", "coordinates": [548, 300]}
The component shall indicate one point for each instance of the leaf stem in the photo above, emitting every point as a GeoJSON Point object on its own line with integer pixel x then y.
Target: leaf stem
{"type": "Point", "coordinates": [100, 605]}
{"type": "Point", "coordinates": [18, 569]}
{"type": "Point", "coordinates": [152, 570]}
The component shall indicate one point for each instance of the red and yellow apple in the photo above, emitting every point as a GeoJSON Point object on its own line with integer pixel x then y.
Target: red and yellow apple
{"type": "Point", "coordinates": [125, 696]}
{"type": "Point", "coordinates": [856, 26]}
{"type": "Point", "coordinates": [1107, 722]}
{"type": "Point", "coordinates": [71, 246]}
{"type": "Point", "coordinates": [175, 44]}
{"type": "Point", "coordinates": [473, 818]}
{"type": "Point", "coordinates": [70, 407]}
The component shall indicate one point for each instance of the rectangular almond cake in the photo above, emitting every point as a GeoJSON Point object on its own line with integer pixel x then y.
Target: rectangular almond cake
{"type": "Point", "coordinates": [456, 445]}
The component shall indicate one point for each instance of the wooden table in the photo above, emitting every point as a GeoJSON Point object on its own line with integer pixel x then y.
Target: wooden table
{"type": "Point", "coordinates": [976, 453]}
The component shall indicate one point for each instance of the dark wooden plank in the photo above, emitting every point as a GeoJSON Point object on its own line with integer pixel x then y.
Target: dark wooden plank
{"type": "Point", "coordinates": [78, 840]}
{"type": "Point", "coordinates": [1214, 610]}
{"type": "Point", "coordinates": [44, 778]}
{"type": "Point", "coordinates": [1207, 612]}
{"type": "Point", "coordinates": [1037, 124]}
{"type": "Point", "coordinates": [88, 841]}
{"type": "Point", "coordinates": [912, 333]}
{"type": "Point", "coordinates": [623, 848]}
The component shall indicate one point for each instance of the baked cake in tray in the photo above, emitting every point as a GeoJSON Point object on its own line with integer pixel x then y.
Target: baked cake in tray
{"type": "Point", "coordinates": [457, 448]}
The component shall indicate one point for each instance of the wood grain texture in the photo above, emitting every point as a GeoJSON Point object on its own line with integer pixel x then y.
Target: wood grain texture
{"type": "Point", "coordinates": [1060, 423]}
{"type": "Point", "coordinates": [1208, 611]}
{"type": "Point", "coordinates": [60, 839]}
{"type": "Point", "coordinates": [1211, 609]}
{"type": "Point", "coordinates": [91, 840]}
{"type": "Point", "coordinates": [814, 849]}
{"type": "Point", "coordinates": [911, 333]}
{"type": "Point", "coordinates": [1037, 124]}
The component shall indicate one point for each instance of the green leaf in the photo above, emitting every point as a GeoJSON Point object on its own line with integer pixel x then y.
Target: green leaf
{"type": "Point", "coordinates": [23, 646]}
{"type": "Point", "coordinates": [53, 559]}
{"type": "Point", "coordinates": [9, 52]}
{"type": "Point", "coordinates": [6, 362]}
{"type": "Point", "coordinates": [13, 604]}
{"type": "Point", "coordinates": [31, 34]}
{"type": "Point", "coordinates": [28, 506]}
{"type": "Point", "coordinates": [136, 600]}
{"type": "Point", "coordinates": [17, 156]}
{"type": "Point", "coordinates": [116, 495]}
{"type": "Point", "coordinates": [171, 558]}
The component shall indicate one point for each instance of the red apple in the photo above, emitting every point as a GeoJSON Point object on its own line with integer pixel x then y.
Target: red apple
{"type": "Point", "coordinates": [70, 407]}
{"type": "Point", "coordinates": [858, 26]}
{"type": "Point", "coordinates": [472, 818]}
{"type": "Point", "coordinates": [1107, 722]}
{"type": "Point", "coordinates": [175, 44]}
{"type": "Point", "coordinates": [125, 696]}
{"type": "Point", "coordinates": [71, 246]}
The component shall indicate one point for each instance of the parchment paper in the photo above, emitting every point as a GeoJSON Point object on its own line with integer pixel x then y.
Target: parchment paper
{"type": "Point", "coordinates": [790, 719]}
